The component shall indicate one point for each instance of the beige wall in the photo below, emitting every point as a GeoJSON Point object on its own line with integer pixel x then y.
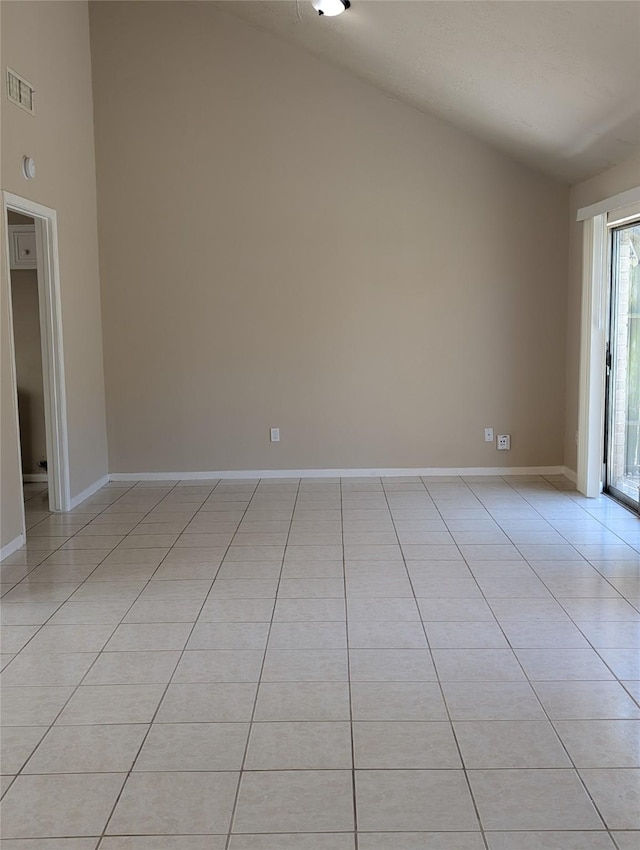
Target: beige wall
{"type": "Point", "coordinates": [611, 182]}
{"type": "Point", "coordinates": [26, 330]}
{"type": "Point", "coordinates": [47, 42]}
{"type": "Point", "coordinates": [282, 245]}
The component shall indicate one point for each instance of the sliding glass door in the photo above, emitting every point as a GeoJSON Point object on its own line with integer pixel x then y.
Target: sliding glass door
{"type": "Point", "coordinates": [622, 452]}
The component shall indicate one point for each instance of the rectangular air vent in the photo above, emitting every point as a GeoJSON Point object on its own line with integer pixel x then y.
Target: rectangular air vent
{"type": "Point", "coordinates": [19, 91]}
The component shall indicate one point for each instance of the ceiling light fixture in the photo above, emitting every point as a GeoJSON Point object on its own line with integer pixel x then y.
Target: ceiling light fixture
{"type": "Point", "coordinates": [330, 8]}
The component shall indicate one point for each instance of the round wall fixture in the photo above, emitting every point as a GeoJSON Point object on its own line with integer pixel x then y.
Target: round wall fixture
{"type": "Point", "coordinates": [28, 167]}
{"type": "Point", "coordinates": [330, 8]}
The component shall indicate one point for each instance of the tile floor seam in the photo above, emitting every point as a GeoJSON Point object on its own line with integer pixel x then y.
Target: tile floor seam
{"type": "Point", "coordinates": [57, 549]}
{"type": "Point", "coordinates": [166, 687]}
{"type": "Point", "coordinates": [70, 513]}
{"type": "Point", "coordinates": [442, 694]}
{"type": "Point", "coordinates": [402, 504]}
{"type": "Point", "coordinates": [575, 769]}
{"type": "Point", "coordinates": [349, 680]}
{"type": "Point", "coordinates": [234, 808]}
{"type": "Point", "coordinates": [75, 689]}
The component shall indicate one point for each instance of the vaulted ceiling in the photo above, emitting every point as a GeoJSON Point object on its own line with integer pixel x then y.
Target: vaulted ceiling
{"type": "Point", "coordinates": [554, 84]}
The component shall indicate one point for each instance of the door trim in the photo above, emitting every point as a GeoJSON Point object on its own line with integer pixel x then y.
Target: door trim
{"type": "Point", "coordinates": [593, 335]}
{"type": "Point", "coordinates": [612, 295]}
{"type": "Point", "coordinates": [55, 404]}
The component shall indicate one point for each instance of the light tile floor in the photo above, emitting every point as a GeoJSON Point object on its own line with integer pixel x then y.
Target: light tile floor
{"type": "Point", "coordinates": [391, 664]}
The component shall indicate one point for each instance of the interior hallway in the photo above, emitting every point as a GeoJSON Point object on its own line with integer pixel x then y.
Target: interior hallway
{"type": "Point", "coordinates": [320, 664]}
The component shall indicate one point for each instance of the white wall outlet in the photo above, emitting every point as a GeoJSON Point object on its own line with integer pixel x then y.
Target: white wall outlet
{"type": "Point", "coordinates": [503, 442]}
{"type": "Point", "coordinates": [275, 435]}
{"type": "Point", "coordinates": [488, 435]}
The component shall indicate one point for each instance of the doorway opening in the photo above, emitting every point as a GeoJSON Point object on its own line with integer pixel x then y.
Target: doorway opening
{"type": "Point", "coordinates": [36, 348]}
{"type": "Point", "coordinates": [622, 397]}
{"type": "Point", "coordinates": [28, 347]}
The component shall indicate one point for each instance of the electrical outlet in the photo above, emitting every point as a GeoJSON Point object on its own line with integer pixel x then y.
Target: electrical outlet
{"type": "Point", "coordinates": [275, 435]}
{"type": "Point", "coordinates": [488, 435]}
{"type": "Point", "coordinates": [503, 442]}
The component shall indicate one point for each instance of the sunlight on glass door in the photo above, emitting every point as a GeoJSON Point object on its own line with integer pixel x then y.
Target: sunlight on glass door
{"type": "Point", "coordinates": [623, 449]}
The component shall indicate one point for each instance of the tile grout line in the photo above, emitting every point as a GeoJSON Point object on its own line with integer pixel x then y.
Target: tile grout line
{"type": "Point", "coordinates": [74, 688]}
{"type": "Point", "coordinates": [531, 685]}
{"type": "Point", "coordinates": [573, 766]}
{"type": "Point", "coordinates": [555, 597]}
{"type": "Point", "coordinates": [571, 618]}
{"type": "Point", "coordinates": [59, 549]}
{"type": "Point", "coordinates": [518, 494]}
{"type": "Point", "coordinates": [550, 721]}
{"type": "Point", "coordinates": [442, 694]}
{"type": "Point", "coordinates": [180, 657]}
{"type": "Point", "coordinates": [236, 799]}
{"type": "Point", "coordinates": [579, 555]}
{"type": "Point", "coordinates": [349, 681]}
{"type": "Point", "coordinates": [98, 654]}
{"type": "Point", "coordinates": [70, 537]}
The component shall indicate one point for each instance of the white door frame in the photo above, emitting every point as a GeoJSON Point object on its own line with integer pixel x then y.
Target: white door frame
{"type": "Point", "coordinates": [55, 405]}
{"type": "Point", "coordinates": [597, 219]}
{"type": "Point", "coordinates": [595, 262]}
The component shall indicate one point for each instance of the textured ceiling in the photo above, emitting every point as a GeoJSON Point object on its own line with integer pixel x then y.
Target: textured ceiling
{"type": "Point", "coordinates": [555, 84]}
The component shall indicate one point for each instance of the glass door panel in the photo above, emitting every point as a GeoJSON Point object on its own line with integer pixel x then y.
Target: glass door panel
{"type": "Point", "coordinates": [623, 393]}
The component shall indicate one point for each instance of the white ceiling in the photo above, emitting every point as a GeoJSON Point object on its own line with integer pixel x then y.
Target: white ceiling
{"type": "Point", "coordinates": [555, 84]}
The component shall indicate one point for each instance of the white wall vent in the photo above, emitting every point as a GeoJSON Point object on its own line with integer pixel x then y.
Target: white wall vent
{"type": "Point", "coordinates": [19, 91]}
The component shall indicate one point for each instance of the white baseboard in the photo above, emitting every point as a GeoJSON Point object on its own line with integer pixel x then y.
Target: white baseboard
{"type": "Point", "coordinates": [89, 491]}
{"type": "Point", "coordinates": [570, 474]}
{"type": "Point", "coordinates": [35, 478]}
{"type": "Point", "coordinates": [12, 547]}
{"type": "Point", "coordinates": [339, 473]}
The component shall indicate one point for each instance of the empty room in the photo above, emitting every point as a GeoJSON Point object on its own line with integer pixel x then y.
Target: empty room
{"type": "Point", "coordinates": [320, 425]}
